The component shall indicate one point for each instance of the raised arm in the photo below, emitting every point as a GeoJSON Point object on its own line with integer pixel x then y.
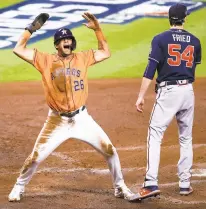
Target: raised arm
{"type": "Point", "coordinates": [20, 49]}
{"type": "Point", "coordinates": [103, 51]}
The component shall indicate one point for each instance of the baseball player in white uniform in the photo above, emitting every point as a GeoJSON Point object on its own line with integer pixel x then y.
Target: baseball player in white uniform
{"type": "Point", "coordinates": [175, 54]}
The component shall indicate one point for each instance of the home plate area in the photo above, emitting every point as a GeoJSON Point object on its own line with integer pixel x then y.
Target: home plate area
{"type": "Point", "coordinates": [75, 175]}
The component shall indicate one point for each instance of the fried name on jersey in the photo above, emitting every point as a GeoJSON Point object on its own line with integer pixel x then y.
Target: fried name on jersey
{"type": "Point", "coordinates": [181, 38]}
{"type": "Point", "coordinates": [65, 72]}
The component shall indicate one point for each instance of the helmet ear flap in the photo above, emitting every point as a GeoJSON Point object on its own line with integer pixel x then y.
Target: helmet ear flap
{"type": "Point", "coordinates": [74, 43]}
{"type": "Point", "coordinates": [56, 43]}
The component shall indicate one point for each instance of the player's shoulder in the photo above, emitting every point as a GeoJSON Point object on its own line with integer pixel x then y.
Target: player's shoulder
{"type": "Point", "coordinates": [78, 54]}
{"type": "Point", "coordinates": [54, 56]}
{"type": "Point", "coordinates": [42, 55]}
{"type": "Point", "coordinates": [194, 38]}
{"type": "Point", "coordinates": [161, 36]}
{"type": "Point", "coordinates": [40, 52]}
{"type": "Point", "coordinates": [83, 53]}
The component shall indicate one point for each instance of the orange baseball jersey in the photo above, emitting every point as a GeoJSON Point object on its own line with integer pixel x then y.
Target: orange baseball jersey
{"type": "Point", "coordinates": [64, 79]}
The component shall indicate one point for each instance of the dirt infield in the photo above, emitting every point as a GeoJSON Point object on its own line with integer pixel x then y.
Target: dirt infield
{"type": "Point", "coordinates": [75, 176]}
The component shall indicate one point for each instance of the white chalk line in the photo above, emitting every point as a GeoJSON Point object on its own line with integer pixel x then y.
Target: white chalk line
{"type": "Point", "coordinates": [118, 149]}
{"type": "Point", "coordinates": [199, 172]}
{"type": "Point", "coordinates": [178, 201]}
{"type": "Point", "coordinates": [176, 183]}
{"type": "Point", "coordinates": [62, 156]}
{"type": "Point", "coordinates": [58, 170]}
{"type": "Point", "coordinates": [131, 148]}
{"type": "Point", "coordinates": [46, 193]}
{"type": "Point", "coordinates": [99, 171]}
{"type": "Point", "coordinates": [195, 172]}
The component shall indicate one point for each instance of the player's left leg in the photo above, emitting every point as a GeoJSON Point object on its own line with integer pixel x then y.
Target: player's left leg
{"type": "Point", "coordinates": [55, 131]}
{"type": "Point", "coordinates": [93, 134]}
{"type": "Point", "coordinates": [185, 123]}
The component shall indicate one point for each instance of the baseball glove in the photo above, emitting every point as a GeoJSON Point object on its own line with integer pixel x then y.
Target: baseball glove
{"type": "Point", "coordinates": [37, 23]}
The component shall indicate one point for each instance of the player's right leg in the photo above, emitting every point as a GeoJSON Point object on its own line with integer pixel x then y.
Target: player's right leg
{"type": "Point", "coordinates": [185, 123]}
{"type": "Point", "coordinates": [94, 135]}
{"type": "Point", "coordinates": [54, 132]}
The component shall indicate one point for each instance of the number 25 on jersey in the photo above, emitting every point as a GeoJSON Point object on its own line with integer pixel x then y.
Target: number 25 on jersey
{"type": "Point", "coordinates": [177, 57]}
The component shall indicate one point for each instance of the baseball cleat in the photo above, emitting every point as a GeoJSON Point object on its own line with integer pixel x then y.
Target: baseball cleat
{"type": "Point", "coordinates": [135, 198]}
{"type": "Point", "coordinates": [16, 193]}
{"type": "Point", "coordinates": [123, 192]}
{"type": "Point", "coordinates": [146, 192]}
{"type": "Point", "coordinates": [186, 191]}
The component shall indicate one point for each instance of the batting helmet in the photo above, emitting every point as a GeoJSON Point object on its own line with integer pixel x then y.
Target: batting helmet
{"type": "Point", "coordinates": [177, 14]}
{"type": "Point", "coordinates": [64, 33]}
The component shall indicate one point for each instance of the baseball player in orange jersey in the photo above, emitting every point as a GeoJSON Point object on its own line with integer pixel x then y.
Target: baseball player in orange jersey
{"type": "Point", "coordinates": [65, 83]}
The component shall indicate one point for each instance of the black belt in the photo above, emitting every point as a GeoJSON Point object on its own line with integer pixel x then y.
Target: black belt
{"type": "Point", "coordinates": [174, 82]}
{"type": "Point", "coordinates": [72, 114]}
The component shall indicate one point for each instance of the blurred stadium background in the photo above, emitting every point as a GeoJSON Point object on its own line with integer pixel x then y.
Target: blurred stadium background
{"type": "Point", "coordinates": [129, 43]}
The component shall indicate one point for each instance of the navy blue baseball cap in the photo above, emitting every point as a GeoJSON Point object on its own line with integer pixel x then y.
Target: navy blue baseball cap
{"type": "Point", "coordinates": [178, 12]}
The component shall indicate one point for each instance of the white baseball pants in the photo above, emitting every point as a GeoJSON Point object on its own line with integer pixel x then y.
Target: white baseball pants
{"type": "Point", "coordinates": [171, 101]}
{"type": "Point", "coordinates": [58, 129]}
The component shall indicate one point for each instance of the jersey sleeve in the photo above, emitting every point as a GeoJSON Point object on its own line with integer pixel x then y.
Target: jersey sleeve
{"type": "Point", "coordinates": [88, 57]}
{"type": "Point", "coordinates": [41, 61]}
{"type": "Point", "coordinates": [198, 54]}
{"type": "Point", "coordinates": [156, 51]}
{"type": "Point", "coordinates": [150, 69]}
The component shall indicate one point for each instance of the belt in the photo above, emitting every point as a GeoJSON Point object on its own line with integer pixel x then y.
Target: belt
{"type": "Point", "coordinates": [72, 114]}
{"type": "Point", "coordinates": [175, 82]}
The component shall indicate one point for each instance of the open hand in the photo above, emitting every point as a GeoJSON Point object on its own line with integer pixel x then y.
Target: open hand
{"type": "Point", "coordinates": [92, 21]}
